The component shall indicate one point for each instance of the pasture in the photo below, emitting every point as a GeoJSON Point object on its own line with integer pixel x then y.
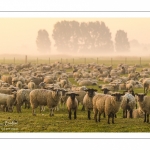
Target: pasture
{"type": "Point", "coordinates": [42, 122]}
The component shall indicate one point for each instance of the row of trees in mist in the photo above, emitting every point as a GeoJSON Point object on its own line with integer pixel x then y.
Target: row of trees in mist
{"type": "Point", "coordinates": [74, 37]}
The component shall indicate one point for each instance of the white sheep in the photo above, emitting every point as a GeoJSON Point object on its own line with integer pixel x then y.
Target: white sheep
{"type": "Point", "coordinates": [144, 104]}
{"type": "Point", "coordinates": [128, 104]}
{"type": "Point", "coordinates": [112, 105]}
{"type": "Point", "coordinates": [72, 104]}
{"type": "Point", "coordinates": [43, 97]}
{"type": "Point", "coordinates": [8, 101]}
{"type": "Point", "coordinates": [98, 105]}
{"type": "Point", "coordinates": [87, 100]}
{"type": "Point", "coordinates": [23, 96]}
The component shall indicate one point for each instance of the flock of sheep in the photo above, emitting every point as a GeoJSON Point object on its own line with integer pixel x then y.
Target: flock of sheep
{"type": "Point", "coordinates": [49, 85]}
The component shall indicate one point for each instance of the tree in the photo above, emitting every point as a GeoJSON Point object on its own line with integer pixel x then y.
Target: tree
{"type": "Point", "coordinates": [65, 36]}
{"type": "Point", "coordinates": [43, 42]}
{"type": "Point", "coordinates": [121, 41]}
{"type": "Point", "coordinates": [95, 37]}
{"type": "Point", "coordinates": [72, 36]}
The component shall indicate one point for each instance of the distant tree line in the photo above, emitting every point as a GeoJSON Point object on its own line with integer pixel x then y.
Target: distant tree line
{"type": "Point", "coordinates": [74, 37]}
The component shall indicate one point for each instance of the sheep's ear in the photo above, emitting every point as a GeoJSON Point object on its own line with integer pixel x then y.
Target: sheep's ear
{"type": "Point", "coordinates": [76, 94]}
{"type": "Point", "coordinates": [68, 94]}
{"type": "Point", "coordinates": [95, 90]}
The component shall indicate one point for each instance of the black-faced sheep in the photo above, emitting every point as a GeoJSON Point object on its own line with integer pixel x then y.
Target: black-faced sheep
{"type": "Point", "coordinates": [72, 104]}
{"type": "Point", "coordinates": [144, 104]}
{"type": "Point", "coordinates": [87, 100]}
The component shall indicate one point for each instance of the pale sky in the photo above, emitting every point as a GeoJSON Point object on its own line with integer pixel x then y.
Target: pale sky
{"type": "Point", "coordinates": [18, 35]}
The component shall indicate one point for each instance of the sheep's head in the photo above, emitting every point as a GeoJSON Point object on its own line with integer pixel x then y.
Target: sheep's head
{"type": "Point", "coordinates": [72, 95]}
{"type": "Point", "coordinates": [140, 96]}
{"type": "Point", "coordinates": [64, 92]}
{"type": "Point", "coordinates": [91, 92]}
{"type": "Point", "coordinates": [118, 96]}
{"type": "Point", "coordinates": [56, 92]}
{"type": "Point", "coordinates": [105, 90]}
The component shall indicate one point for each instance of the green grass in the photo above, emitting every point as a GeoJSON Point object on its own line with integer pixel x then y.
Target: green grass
{"type": "Point", "coordinates": [61, 123]}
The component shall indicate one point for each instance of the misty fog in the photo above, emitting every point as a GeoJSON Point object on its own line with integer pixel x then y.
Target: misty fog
{"type": "Point", "coordinates": [18, 36]}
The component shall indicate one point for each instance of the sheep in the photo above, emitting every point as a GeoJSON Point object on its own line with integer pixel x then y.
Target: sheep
{"type": "Point", "coordinates": [128, 104]}
{"type": "Point", "coordinates": [7, 79]}
{"type": "Point", "coordinates": [8, 101]}
{"type": "Point", "coordinates": [6, 91]}
{"type": "Point", "coordinates": [146, 84]}
{"type": "Point", "coordinates": [72, 104]}
{"type": "Point", "coordinates": [22, 97]}
{"type": "Point", "coordinates": [19, 84]}
{"type": "Point", "coordinates": [43, 97]}
{"type": "Point", "coordinates": [144, 105]}
{"type": "Point", "coordinates": [80, 98]}
{"type": "Point", "coordinates": [31, 85]}
{"type": "Point", "coordinates": [112, 105]}
{"type": "Point", "coordinates": [137, 113]}
{"type": "Point", "coordinates": [98, 105]}
{"type": "Point", "coordinates": [87, 100]}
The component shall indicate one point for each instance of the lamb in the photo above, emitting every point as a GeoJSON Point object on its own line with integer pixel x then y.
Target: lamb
{"type": "Point", "coordinates": [128, 104]}
{"type": "Point", "coordinates": [87, 100]}
{"type": "Point", "coordinates": [72, 104]}
{"type": "Point", "coordinates": [144, 105]}
{"type": "Point", "coordinates": [8, 101]}
{"type": "Point", "coordinates": [22, 97]}
{"type": "Point", "coordinates": [43, 97]}
{"type": "Point", "coordinates": [137, 113]}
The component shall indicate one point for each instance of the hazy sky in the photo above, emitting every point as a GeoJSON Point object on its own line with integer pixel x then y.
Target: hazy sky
{"type": "Point", "coordinates": [18, 35]}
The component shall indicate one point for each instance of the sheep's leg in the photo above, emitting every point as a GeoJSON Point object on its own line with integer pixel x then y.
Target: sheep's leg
{"type": "Point", "coordinates": [113, 116]}
{"type": "Point", "coordinates": [51, 111]}
{"type": "Point", "coordinates": [75, 114]}
{"type": "Point", "coordinates": [104, 115]}
{"type": "Point", "coordinates": [99, 117]}
{"type": "Point", "coordinates": [124, 113]}
{"type": "Point", "coordinates": [95, 115]}
{"type": "Point", "coordinates": [40, 109]}
{"type": "Point", "coordinates": [70, 114]}
{"type": "Point", "coordinates": [89, 112]}
{"type": "Point", "coordinates": [131, 114]}
{"type": "Point", "coordinates": [147, 118]}
{"type": "Point", "coordinates": [6, 109]}
{"type": "Point", "coordinates": [108, 119]}
{"type": "Point", "coordinates": [33, 112]}
{"type": "Point", "coordinates": [83, 108]}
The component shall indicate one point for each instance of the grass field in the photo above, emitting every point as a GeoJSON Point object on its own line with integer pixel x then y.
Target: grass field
{"type": "Point", "coordinates": [60, 121]}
